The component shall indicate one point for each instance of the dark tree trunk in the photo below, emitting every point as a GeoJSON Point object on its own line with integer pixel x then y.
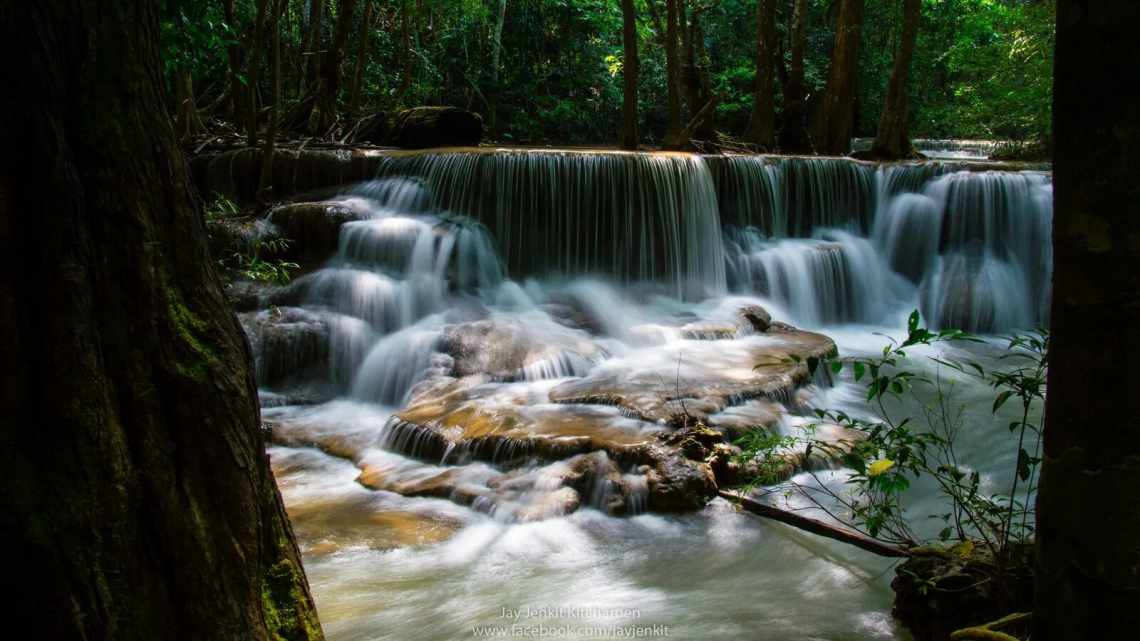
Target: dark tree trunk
{"type": "Point", "coordinates": [330, 67]}
{"type": "Point", "coordinates": [701, 90]}
{"type": "Point", "coordinates": [187, 121]}
{"type": "Point", "coordinates": [265, 183]}
{"type": "Point", "coordinates": [793, 129]}
{"type": "Point", "coordinates": [361, 57]}
{"type": "Point", "coordinates": [496, 61]}
{"type": "Point", "coordinates": [837, 113]}
{"type": "Point", "coordinates": [405, 51]}
{"type": "Point", "coordinates": [674, 136]}
{"type": "Point", "coordinates": [1088, 513]}
{"type": "Point", "coordinates": [631, 66]}
{"type": "Point", "coordinates": [312, 48]}
{"type": "Point", "coordinates": [762, 130]}
{"type": "Point", "coordinates": [138, 502]}
{"type": "Point", "coordinates": [892, 140]}
{"type": "Point", "coordinates": [233, 55]}
{"type": "Point", "coordinates": [253, 68]}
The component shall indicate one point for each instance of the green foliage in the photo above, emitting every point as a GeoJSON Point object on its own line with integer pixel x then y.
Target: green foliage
{"type": "Point", "coordinates": [893, 451]}
{"type": "Point", "coordinates": [221, 207]}
{"type": "Point", "coordinates": [981, 68]}
{"type": "Point", "coordinates": [252, 267]}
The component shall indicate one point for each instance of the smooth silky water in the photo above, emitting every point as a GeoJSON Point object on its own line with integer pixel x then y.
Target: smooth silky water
{"type": "Point", "coordinates": [639, 246]}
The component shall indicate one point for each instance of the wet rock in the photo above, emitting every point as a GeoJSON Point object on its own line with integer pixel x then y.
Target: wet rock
{"type": "Point", "coordinates": [423, 127]}
{"type": "Point", "coordinates": [707, 382]}
{"type": "Point", "coordinates": [704, 331]}
{"type": "Point", "coordinates": [756, 316]}
{"type": "Point", "coordinates": [373, 129]}
{"type": "Point", "coordinates": [290, 344]}
{"type": "Point", "coordinates": [313, 228]}
{"type": "Point", "coordinates": [677, 483]}
{"type": "Point", "coordinates": [485, 347]}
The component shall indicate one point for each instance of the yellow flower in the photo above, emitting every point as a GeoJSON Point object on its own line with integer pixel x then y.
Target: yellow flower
{"type": "Point", "coordinates": [880, 466]}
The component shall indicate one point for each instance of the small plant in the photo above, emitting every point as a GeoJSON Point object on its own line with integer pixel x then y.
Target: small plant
{"type": "Point", "coordinates": [221, 208]}
{"type": "Point", "coordinates": [251, 266]}
{"type": "Point", "coordinates": [893, 451]}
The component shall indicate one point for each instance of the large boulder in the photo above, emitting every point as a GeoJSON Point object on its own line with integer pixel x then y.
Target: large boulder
{"type": "Point", "coordinates": [424, 127]}
{"type": "Point", "coordinates": [313, 228]}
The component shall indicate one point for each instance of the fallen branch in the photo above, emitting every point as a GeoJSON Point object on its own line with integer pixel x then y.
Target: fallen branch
{"type": "Point", "coordinates": [820, 528]}
{"type": "Point", "coordinates": [987, 632]}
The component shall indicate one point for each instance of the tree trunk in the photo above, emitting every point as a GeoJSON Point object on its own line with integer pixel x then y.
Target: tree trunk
{"type": "Point", "coordinates": [892, 140]}
{"type": "Point", "coordinates": [1088, 514]}
{"type": "Point", "coordinates": [187, 121]}
{"type": "Point", "coordinates": [361, 57]}
{"type": "Point", "coordinates": [837, 113]}
{"type": "Point", "coordinates": [630, 69]}
{"type": "Point", "coordinates": [312, 48]}
{"type": "Point", "coordinates": [405, 51]}
{"type": "Point", "coordinates": [762, 130]}
{"type": "Point", "coordinates": [793, 129]}
{"type": "Point", "coordinates": [233, 55]}
{"type": "Point", "coordinates": [330, 68]}
{"type": "Point", "coordinates": [253, 66]}
{"type": "Point", "coordinates": [265, 183]}
{"type": "Point", "coordinates": [701, 93]}
{"type": "Point", "coordinates": [673, 129]}
{"type": "Point", "coordinates": [496, 60]}
{"type": "Point", "coordinates": [138, 501]}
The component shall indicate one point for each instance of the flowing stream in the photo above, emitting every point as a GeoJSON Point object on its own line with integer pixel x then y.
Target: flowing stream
{"type": "Point", "coordinates": [481, 285]}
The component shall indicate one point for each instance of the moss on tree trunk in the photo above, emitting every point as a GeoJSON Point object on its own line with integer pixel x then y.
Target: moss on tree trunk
{"type": "Point", "coordinates": [138, 500]}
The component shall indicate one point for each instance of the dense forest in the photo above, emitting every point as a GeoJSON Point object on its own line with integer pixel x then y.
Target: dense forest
{"type": "Point", "coordinates": [552, 71]}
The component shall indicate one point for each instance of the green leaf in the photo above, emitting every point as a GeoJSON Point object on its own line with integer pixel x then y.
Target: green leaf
{"type": "Point", "coordinates": [860, 369]}
{"type": "Point", "coordinates": [1001, 399]}
{"type": "Point", "coordinates": [1023, 465]}
{"type": "Point", "coordinates": [836, 367]}
{"type": "Point", "coordinates": [912, 322]}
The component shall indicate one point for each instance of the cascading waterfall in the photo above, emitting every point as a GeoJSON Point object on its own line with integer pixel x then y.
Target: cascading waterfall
{"type": "Point", "coordinates": [513, 332]}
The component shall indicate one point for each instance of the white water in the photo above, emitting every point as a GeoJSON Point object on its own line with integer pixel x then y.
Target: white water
{"type": "Point", "coordinates": [601, 262]}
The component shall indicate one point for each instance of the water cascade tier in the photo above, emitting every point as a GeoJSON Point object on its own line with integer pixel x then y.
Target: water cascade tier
{"type": "Point", "coordinates": [531, 333]}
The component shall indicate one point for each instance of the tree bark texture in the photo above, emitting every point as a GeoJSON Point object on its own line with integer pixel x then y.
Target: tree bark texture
{"type": "Point", "coordinates": [361, 57]}
{"type": "Point", "coordinates": [892, 140]}
{"type": "Point", "coordinates": [331, 63]}
{"type": "Point", "coordinates": [138, 501]}
{"type": "Point", "coordinates": [673, 128]}
{"type": "Point", "coordinates": [837, 113]}
{"type": "Point", "coordinates": [1088, 506]}
{"type": "Point", "coordinates": [793, 126]}
{"type": "Point", "coordinates": [630, 69]}
{"type": "Point", "coordinates": [762, 130]}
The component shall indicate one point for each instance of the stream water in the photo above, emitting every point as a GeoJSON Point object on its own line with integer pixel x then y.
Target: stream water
{"type": "Point", "coordinates": [631, 267]}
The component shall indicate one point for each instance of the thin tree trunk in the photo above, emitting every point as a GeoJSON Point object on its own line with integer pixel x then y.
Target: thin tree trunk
{"type": "Point", "coordinates": [673, 129]}
{"type": "Point", "coordinates": [837, 113]}
{"type": "Point", "coordinates": [265, 183]}
{"type": "Point", "coordinates": [892, 139]}
{"type": "Point", "coordinates": [762, 130]}
{"type": "Point", "coordinates": [1088, 513]}
{"type": "Point", "coordinates": [187, 121]}
{"type": "Point", "coordinates": [793, 129]}
{"type": "Point", "coordinates": [312, 48]}
{"type": "Point", "coordinates": [405, 51]}
{"type": "Point", "coordinates": [253, 66]}
{"type": "Point", "coordinates": [361, 57]}
{"type": "Point", "coordinates": [496, 58]}
{"type": "Point", "coordinates": [138, 502]}
{"type": "Point", "coordinates": [705, 126]}
{"type": "Point", "coordinates": [330, 67]}
{"type": "Point", "coordinates": [233, 55]}
{"type": "Point", "coordinates": [630, 69]}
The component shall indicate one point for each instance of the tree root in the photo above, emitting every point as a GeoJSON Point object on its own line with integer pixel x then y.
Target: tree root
{"type": "Point", "coordinates": [987, 632]}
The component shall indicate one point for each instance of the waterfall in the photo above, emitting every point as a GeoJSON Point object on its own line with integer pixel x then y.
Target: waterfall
{"type": "Point", "coordinates": [827, 241]}
{"type": "Point", "coordinates": [635, 217]}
